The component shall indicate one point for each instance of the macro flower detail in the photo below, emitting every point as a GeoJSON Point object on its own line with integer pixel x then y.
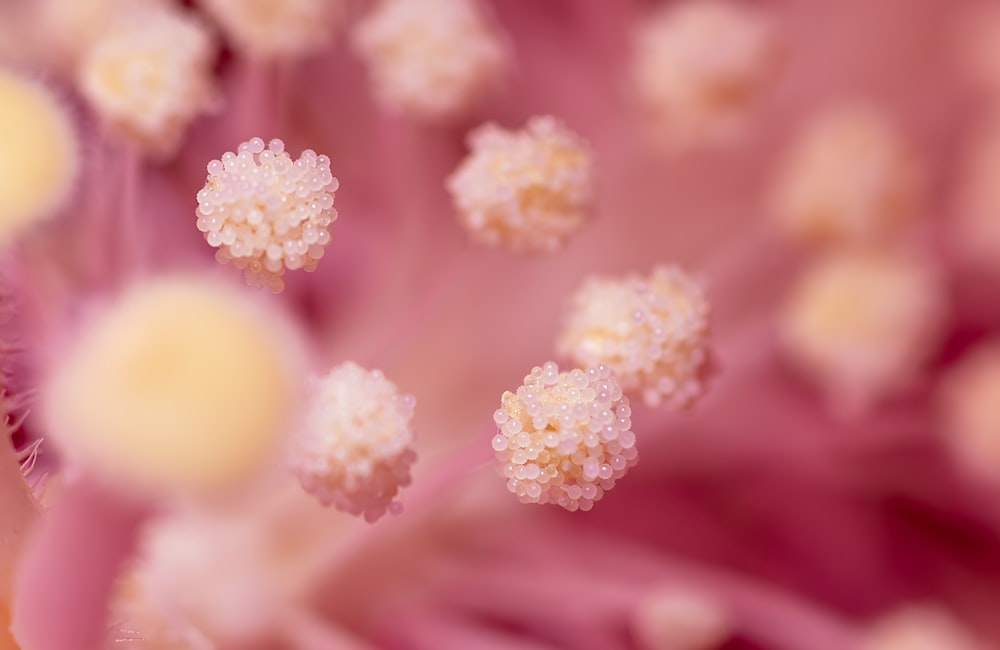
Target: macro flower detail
{"type": "Point", "coordinates": [921, 627]}
{"type": "Point", "coordinates": [862, 324]}
{"type": "Point", "coordinates": [697, 68]}
{"type": "Point", "coordinates": [265, 29]}
{"type": "Point", "coordinates": [848, 179]}
{"type": "Point", "coordinates": [39, 158]}
{"type": "Point", "coordinates": [673, 617]}
{"type": "Point", "coordinates": [355, 448]}
{"type": "Point", "coordinates": [149, 74]}
{"type": "Point", "coordinates": [432, 60]}
{"type": "Point", "coordinates": [564, 437]}
{"type": "Point", "coordinates": [267, 213]}
{"type": "Point", "coordinates": [528, 190]}
{"type": "Point", "coordinates": [653, 331]}
{"type": "Point", "coordinates": [179, 386]}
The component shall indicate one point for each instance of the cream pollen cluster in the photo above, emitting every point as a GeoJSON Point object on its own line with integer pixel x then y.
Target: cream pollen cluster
{"type": "Point", "coordinates": [967, 408]}
{"type": "Point", "coordinates": [355, 447]}
{"type": "Point", "coordinates": [862, 323]}
{"type": "Point", "coordinates": [848, 179]}
{"type": "Point", "coordinates": [527, 190]}
{"type": "Point", "coordinates": [149, 74]}
{"type": "Point", "coordinates": [564, 437]}
{"type": "Point", "coordinates": [653, 331]}
{"type": "Point", "coordinates": [269, 29]}
{"type": "Point", "coordinates": [697, 67]}
{"type": "Point", "coordinates": [267, 213]}
{"type": "Point", "coordinates": [432, 60]}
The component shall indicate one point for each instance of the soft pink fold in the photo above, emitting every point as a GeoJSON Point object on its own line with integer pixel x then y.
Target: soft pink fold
{"type": "Point", "coordinates": [69, 567]}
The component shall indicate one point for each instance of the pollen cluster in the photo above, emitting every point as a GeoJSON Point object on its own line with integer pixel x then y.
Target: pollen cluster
{"type": "Point", "coordinates": [967, 405]}
{"type": "Point", "coordinates": [355, 448]}
{"type": "Point", "coordinates": [653, 331]}
{"type": "Point", "coordinates": [564, 437]}
{"type": "Point", "coordinates": [921, 628]}
{"type": "Point", "coordinates": [267, 213]}
{"type": "Point", "coordinates": [432, 60]}
{"type": "Point", "coordinates": [266, 29]}
{"type": "Point", "coordinates": [38, 159]}
{"type": "Point", "coordinates": [861, 324]}
{"type": "Point", "coordinates": [180, 386]}
{"type": "Point", "coordinates": [697, 67]}
{"type": "Point", "coordinates": [528, 190]}
{"type": "Point", "coordinates": [849, 178]}
{"type": "Point", "coordinates": [149, 74]}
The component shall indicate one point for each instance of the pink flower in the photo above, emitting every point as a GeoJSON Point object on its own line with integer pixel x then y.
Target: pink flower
{"type": "Point", "coordinates": [763, 518]}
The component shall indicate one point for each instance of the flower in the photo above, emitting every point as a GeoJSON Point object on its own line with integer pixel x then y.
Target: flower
{"type": "Point", "coordinates": [791, 526]}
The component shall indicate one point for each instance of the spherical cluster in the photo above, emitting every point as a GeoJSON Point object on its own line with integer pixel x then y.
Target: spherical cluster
{"type": "Point", "coordinates": [652, 331]}
{"type": "Point", "coordinates": [564, 437]}
{"type": "Point", "coordinates": [356, 446]}
{"type": "Point", "coordinates": [976, 231]}
{"type": "Point", "coordinates": [528, 190]}
{"type": "Point", "coordinates": [38, 158]}
{"type": "Point", "coordinates": [266, 212]}
{"type": "Point", "coordinates": [180, 386]}
{"type": "Point", "coordinates": [921, 628]}
{"type": "Point", "coordinates": [967, 404]}
{"type": "Point", "coordinates": [149, 74]}
{"type": "Point", "coordinates": [266, 29]}
{"type": "Point", "coordinates": [697, 67]}
{"type": "Point", "coordinates": [861, 324]}
{"type": "Point", "coordinates": [432, 60]}
{"type": "Point", "coordinates": [848, 179]}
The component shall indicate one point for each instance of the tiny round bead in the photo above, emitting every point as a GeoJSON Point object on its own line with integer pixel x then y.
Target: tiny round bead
{"type": "Point", "coordinates": [432, 60]}
{"type": "Point", "coordinates": [355, 448]}
{"type": "Point", "coordinates": [697, 66]}
{"type": "Point", "coordinates": [848, 179]}
{"type": "Point", "coordinates": [149, 75]}
{"type": "Point", "coordinates": [266, 213]}
{"type": "Point", "coordinates": [861, 324]}
{"type": "Point", "coordinates": [528, 190]}
{"type": "Point", "coordinates": [653, 331]}
{"type": "Point", "coordinates": [555, 458]}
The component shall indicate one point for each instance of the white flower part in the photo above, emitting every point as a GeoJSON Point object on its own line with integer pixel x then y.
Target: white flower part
{"type": "Point", "coordinates": [528, 190]}
{"type": "Point", "coordinates": [921, 628]}
{"type": "Point", "coordinates": [70, 27]}
{"type": "Point", "coordinates": [861, 324]}
{"type": "Point", "coordinates": [672, 617]}
{"type": "Point", "coordinates": [432, 60]}
{"type": "Point", "coordinates": [272, 29]}
{"type": "Point", "coordinates": [653, 331]}
{"type": "Point", "coordinates": [564, 437]}
{"type": "Point", "coordinates": [967, 409]}
{"type": "Point", "coordinates": [355, 448]}
{"type": "Point", "coordinates": [697, 67]}
{"type": "Point", "coordinates": [149, 74]}
{"type": "Point", "coordinates": [267, 213]}
{"type": "Point", "coordinates": [848, 179]}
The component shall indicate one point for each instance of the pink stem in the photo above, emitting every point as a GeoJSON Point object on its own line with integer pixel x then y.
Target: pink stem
{"type": "Point", "coordinates": [67, 574]}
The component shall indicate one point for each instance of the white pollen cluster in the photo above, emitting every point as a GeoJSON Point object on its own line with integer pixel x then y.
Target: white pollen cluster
{"type": "Point", "coordinates": [921, 627]}
{"type": "Point", "coordinates": [862, 324]}
{"type": "Point", "coordinates": [432, 60]}
{"type": "Point", "coordinates": [653, 331]}
{"type": "Point", "coordinates": [356, 446]}
{"type": "Point", "coordinates": [698, 66]}
{"type": "Point", "coordinates": [269, 29]}
{"type": "Point", "coordinates": [528, 190]}
{"type": "Point", "coordinates": [266, 212]}
{"type": "Point", "coordinates": [564, 437]}
{"type": "Point", "coordinates": [149, 75]}
{"type": "Point", "coordinates": [848, 179]}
